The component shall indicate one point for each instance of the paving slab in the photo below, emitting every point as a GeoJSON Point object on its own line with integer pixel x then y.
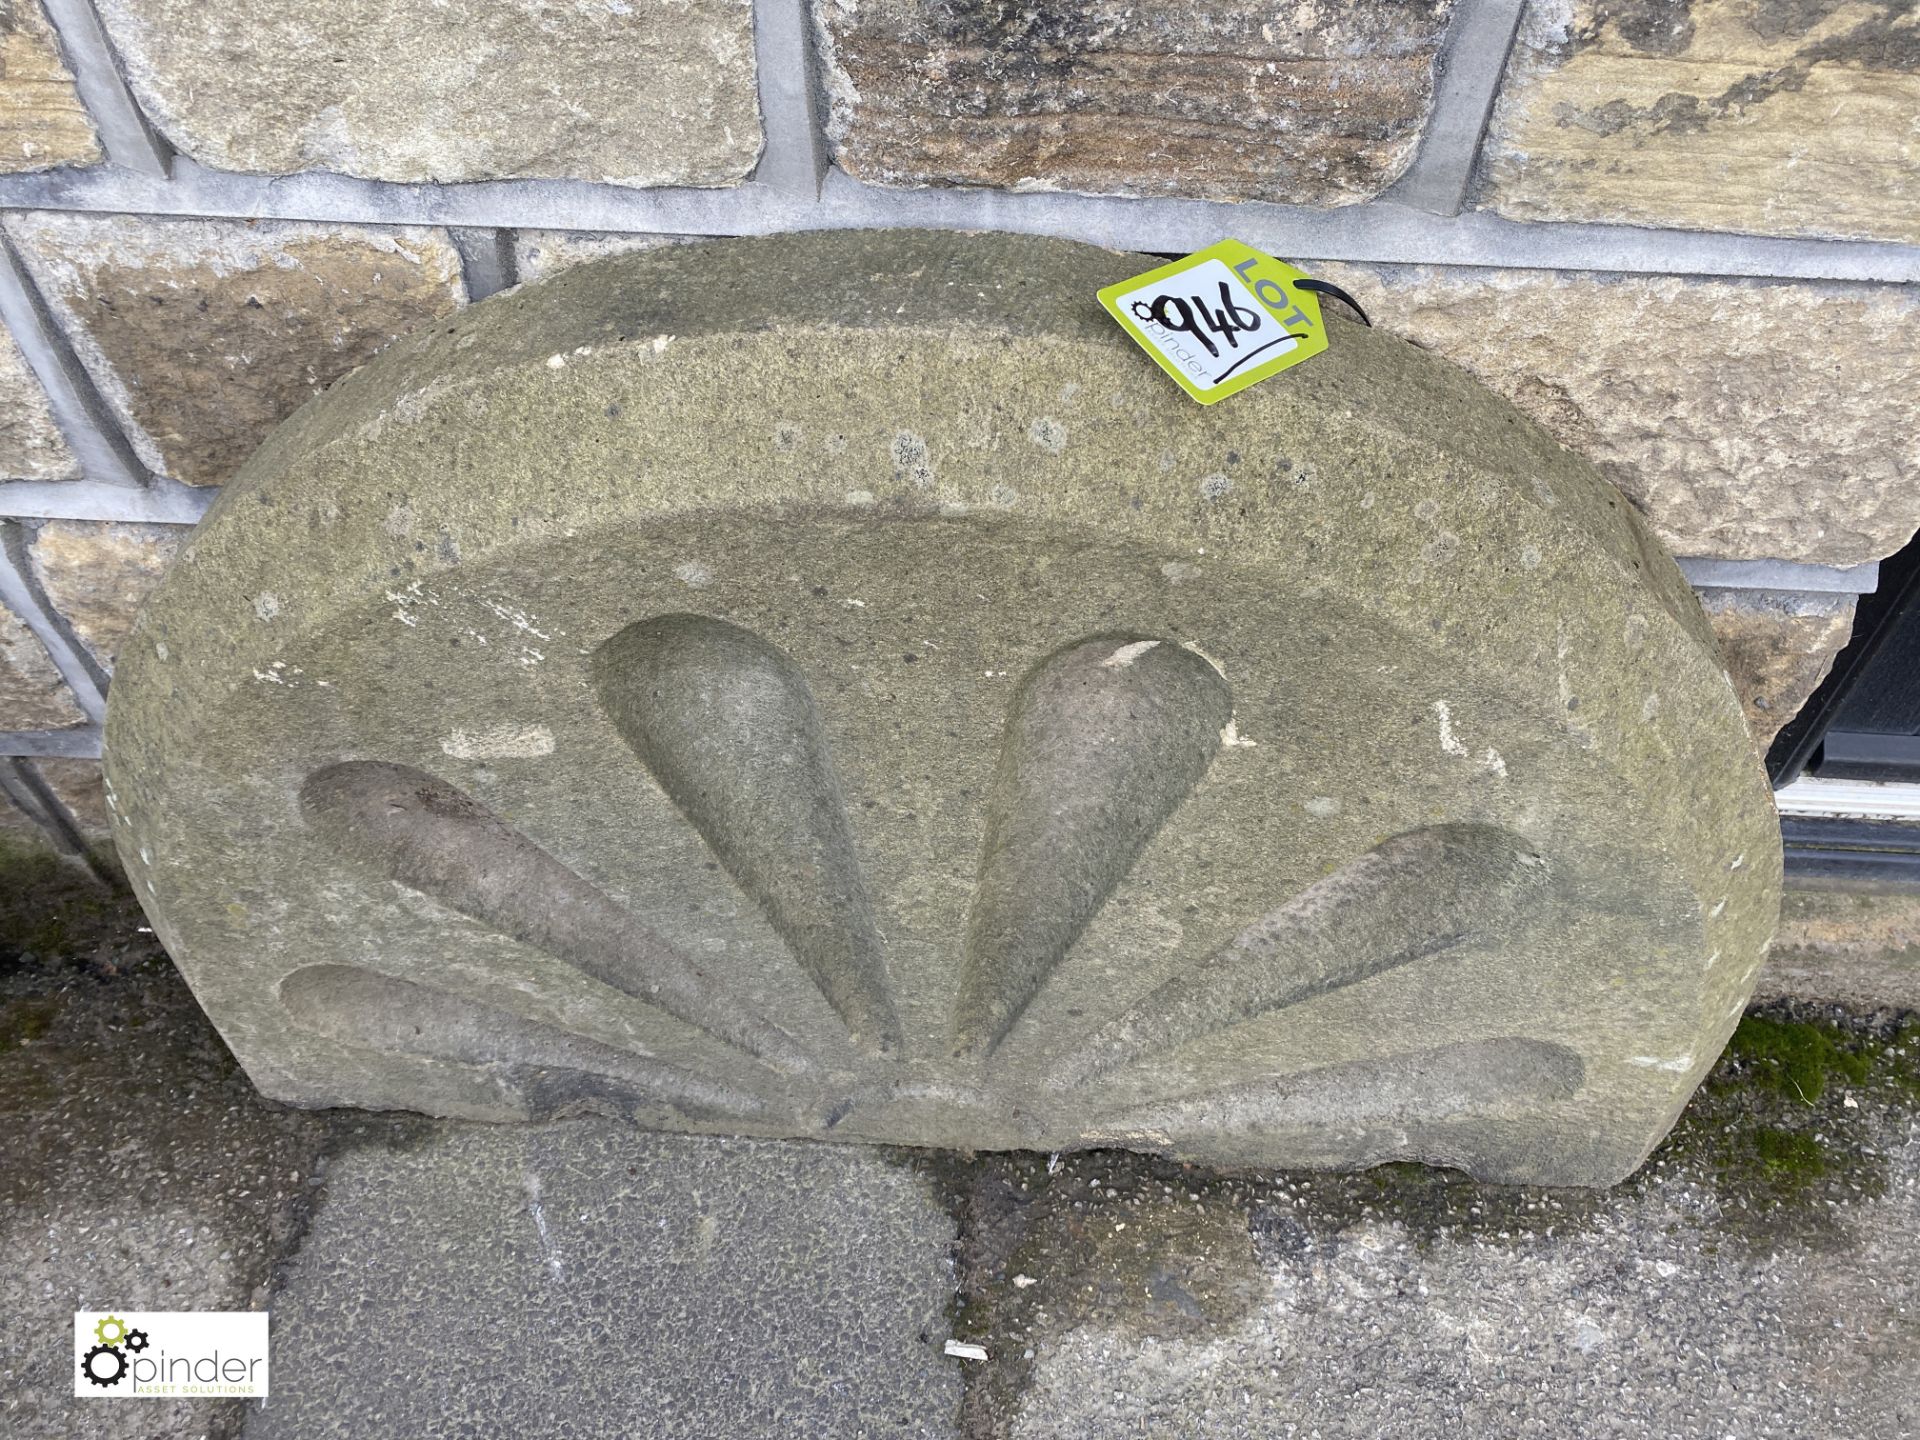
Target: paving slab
{"type": "Point", "coordinates": [583, 1279]}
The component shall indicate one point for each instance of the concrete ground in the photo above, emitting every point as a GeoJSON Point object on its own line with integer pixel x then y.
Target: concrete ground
{"type": "Point", "coordinates": [138, 1169]}
{"type": "Point", "coordinates": [585, 1279]}
{"type": "Point", "coordinates": [1760, 1278]}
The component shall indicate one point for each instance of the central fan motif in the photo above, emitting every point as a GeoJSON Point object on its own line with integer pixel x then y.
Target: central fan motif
{"type": "Point", "coordinates": [1105, 740]}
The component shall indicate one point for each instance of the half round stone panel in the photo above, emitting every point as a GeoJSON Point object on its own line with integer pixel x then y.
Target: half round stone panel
{"type": "Point", "coordinates": [832, 686]}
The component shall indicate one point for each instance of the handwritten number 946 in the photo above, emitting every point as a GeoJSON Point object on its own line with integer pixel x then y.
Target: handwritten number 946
{"type": "Point", "coordinates": [1192, 316]}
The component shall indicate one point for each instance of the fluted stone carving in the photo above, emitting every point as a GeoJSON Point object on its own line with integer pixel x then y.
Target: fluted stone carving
{"type": "Point", "coordinates": [832, 686]}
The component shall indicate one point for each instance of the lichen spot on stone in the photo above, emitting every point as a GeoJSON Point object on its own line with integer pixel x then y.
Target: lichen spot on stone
{"type": "Point", "coordinates": [693, 574]}
{"type": "Point", "coordinates": [1127, 654]}
{"type": "Point", "coordinates": [500, 742]}
{"type": "Point", "coordinates": [1490, 760]}
{"type": "Point", "coordinates": [1217, 487]}
{"type": "Point", "coordinates": [911, 461]}
{"type": "Point", "coordinates": [1230, 736]}
{"type": "Point", "coordinates": [1049, 434]}
{"type": "Point", "coordinates": [1678, 1064]}
{"type": "Point", "coordinates": [266, 605]}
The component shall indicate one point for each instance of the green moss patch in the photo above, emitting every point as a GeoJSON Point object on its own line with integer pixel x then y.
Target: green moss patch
{"type": "Point", "coordinates": [1787, 1127]}
{"type": "Point", "coordinates": [1797, 1059]}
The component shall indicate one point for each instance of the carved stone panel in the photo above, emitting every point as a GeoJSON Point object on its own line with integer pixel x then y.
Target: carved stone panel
{"type": "Point", "coordinates": [833, 686]}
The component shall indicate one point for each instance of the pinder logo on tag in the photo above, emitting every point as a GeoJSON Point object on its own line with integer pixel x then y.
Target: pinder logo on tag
{"type": "Point", "coordinates": [1221, 319]}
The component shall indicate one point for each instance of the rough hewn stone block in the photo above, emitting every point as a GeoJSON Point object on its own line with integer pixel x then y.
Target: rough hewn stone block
{"type": "Point", "coordinates": [1859, 950]}
{"type": "Point", "coordinates": [749, 687]}
{"type": "Point", "coordinates": [81, 788]}
{"type": "Point", "coordinates": [1231, 100]}
{"type": "Point", "coordinates": [633, 92]}
{"type": "Point", "coordinates": [76, 812]}
{"type": "Point", "coordinates": [1774, 117]}
{"type": "Point", "coordinates": [1778, 648]}
{"type": "Point", "coordinates": [205, 334]}
{"type": "Point", "coordinates": [540, 253]}
{"type": "Point", "coordinates": [20, 833]}
{"type": "Point", "coordinates": [97, 574]}
{"type": "Point", "coordinates": [42, 122]}
{"type": "Point", "coordinates": [32, 694]}
{"type": "Point", "coordinates": [1747, 419]}
{"type": "Point", "coordinates": [31, 445]}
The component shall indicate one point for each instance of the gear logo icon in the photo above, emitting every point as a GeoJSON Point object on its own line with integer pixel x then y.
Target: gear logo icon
{"type": "Point", "coordinates": [109, 1361]}
{"type": "Point", "coordinates": [104, 1365]}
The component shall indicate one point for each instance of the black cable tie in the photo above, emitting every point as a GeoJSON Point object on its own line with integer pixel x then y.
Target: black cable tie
{"type": "Point", "coordinates": [1323, 287]}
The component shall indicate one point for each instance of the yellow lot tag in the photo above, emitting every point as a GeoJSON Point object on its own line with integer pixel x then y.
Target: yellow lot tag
{"type": "Point", "coordinates": [1220, 320]}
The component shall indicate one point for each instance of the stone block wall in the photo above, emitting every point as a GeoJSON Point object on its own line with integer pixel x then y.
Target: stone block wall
{"type": "Point", "coordinates": [1681, 234]}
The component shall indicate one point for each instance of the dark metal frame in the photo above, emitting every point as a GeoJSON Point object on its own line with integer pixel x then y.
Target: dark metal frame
{"type": "Point", "coordinates": [1838, 849]}
{"type": "Point", "coordinates": [1884, 619]}
{"type": "Point", "coordinates": [1881, 854]}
